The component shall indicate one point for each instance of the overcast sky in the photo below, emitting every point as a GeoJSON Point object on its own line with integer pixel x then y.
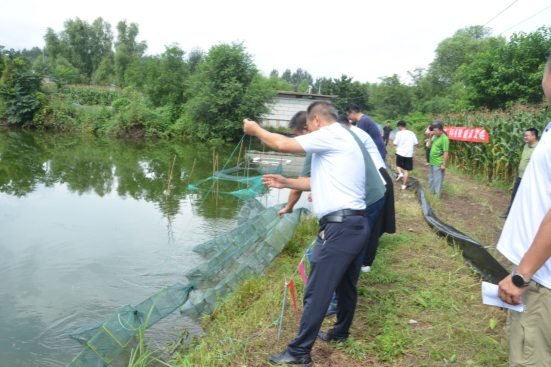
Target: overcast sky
{"type": "Point", "coordinates": [363, 39]}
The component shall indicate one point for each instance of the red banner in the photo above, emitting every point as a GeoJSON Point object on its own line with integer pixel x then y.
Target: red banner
{"type": "Point", "coordinates": [474, 134]}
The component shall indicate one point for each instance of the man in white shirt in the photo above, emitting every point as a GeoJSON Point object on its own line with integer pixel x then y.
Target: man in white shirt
{"type": "Point", "coordinates": [345, 191]}
{"type": "Point", "coordinates": [298, 127]}
{"type": "Point", "coordinates": [526, 242]}
{"type": "Point", "coordinates": [404, 142]}
{"type": "Point", "coordinates": [376, 221]}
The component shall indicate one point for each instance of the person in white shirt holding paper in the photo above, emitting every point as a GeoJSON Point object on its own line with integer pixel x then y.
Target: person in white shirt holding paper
{"type": "Point", "coordinates": [404, 142]}
{"type": "Point", "coordinates": [526, 242]}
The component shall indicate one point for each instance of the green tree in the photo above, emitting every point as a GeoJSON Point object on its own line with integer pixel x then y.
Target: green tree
{"type": "Point", "coordinates": [347, 90]}
{"type": "Point", "coordinates": [61, 76]}
{"type": "Point", "coordinates": [19, 89]}
{"type": "Point", "coordinates": [303, 86]}
{"type": "Point", "coordinates": [194, 58]}
{"type": "Point", "coordinates": [226, 88]}
{"type": "Point", "coordinates": [279, 84]}
{"type": "Point", "coordinates": [393, 99]}
{"type": "Point", "coordinates": [162, 77]}
{"type": "Point", "coordinates": [506, 73]}
{"type": "Point", "coordinates": [128, 50]}
{"type": "Point", "coordinates": [453, 52]}
{"type": "Point", "coordinates": [83, 44]}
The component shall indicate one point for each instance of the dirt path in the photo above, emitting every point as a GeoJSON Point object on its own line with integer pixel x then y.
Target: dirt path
{"type": "Point", "coordinates": [470, 206]}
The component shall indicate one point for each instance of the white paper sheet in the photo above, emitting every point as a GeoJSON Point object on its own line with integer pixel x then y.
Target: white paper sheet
{"type": "Point", "coordinates": [490, 297]}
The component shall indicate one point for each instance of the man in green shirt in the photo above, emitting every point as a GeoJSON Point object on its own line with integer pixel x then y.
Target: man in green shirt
{"type": "Point", "coordinates": [439, 147]}
{"type": "Point", "coordinates": [531, 140]}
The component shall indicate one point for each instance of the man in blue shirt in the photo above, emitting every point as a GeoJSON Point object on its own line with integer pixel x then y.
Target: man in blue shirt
{"type": "Point", "coordinates": [368, 125]}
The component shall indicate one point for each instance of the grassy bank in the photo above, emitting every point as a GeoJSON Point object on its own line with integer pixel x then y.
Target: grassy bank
{"type": "Point", "coordinates": [416, 276]}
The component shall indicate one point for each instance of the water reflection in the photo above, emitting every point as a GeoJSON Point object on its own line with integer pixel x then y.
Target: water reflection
{"type": "Point", "coordinates": [85, 225]}
{"type": "Point", "coordinates": [132, 168]}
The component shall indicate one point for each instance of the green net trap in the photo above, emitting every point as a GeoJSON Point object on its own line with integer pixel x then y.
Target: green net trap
{"type": "Point", "coordinates": [253, 184]}
{"type": "Point", "coordinates": [260, 227]}
{"type": "Point", "coordinates": [256, 263]}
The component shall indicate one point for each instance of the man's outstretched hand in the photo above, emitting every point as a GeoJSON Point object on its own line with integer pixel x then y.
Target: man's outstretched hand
{"type": "Point", "coordinates": [250, 127]}
{"type": "Point", "coordinates": [275, 181]}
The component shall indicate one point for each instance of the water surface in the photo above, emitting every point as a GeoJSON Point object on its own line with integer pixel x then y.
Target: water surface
{"type": "Point", "coordinates": [85, 225]}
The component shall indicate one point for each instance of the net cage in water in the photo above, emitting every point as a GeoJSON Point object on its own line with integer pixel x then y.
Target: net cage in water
{"type": "Point", "coordinates": [256, 263]}
{"type": "Point", "coordinates": [231, 245]}
{"type": "Point", "coordinates": [260, 227]}
{"type": "Point", "coordinates": [253, 184]}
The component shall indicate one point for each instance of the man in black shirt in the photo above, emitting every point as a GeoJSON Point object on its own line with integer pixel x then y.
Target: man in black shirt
{"type": "Point", "coordinates": [386, 132]}
{"type": "Point", "coordinates": [365, 123]}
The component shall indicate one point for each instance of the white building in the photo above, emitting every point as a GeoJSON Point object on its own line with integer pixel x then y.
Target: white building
{"type": "Point", "coordinates": [289, 103]}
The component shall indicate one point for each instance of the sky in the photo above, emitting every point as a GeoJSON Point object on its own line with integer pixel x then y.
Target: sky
{"type": "Point", "coordinates": [362, 39]}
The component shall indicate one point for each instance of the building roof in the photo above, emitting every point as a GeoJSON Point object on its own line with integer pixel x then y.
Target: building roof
{"type": "Point", "coordinates": [286, 94]}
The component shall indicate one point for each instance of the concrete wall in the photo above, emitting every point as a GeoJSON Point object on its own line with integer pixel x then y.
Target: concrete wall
{"type": "Point", "coordinates": [284, 109]}
{"type": "Point", "coordinates": [289, 103]}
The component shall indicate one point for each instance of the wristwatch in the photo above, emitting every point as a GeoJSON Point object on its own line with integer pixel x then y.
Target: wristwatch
{"type": "Point", "coordinates": [519, 280]}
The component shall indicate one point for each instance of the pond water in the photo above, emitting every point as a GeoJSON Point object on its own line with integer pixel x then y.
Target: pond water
{"type": "Point", "coordinates": [85, 226]}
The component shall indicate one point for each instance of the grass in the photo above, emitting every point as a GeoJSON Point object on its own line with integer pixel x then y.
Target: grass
{"type": "Point", "coordinates": [416, 276]}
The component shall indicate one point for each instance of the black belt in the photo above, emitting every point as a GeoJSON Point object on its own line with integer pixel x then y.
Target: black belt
{"type": "Point", "coordinates": [336, 217]}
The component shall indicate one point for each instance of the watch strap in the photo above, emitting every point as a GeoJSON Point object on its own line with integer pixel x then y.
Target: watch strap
{"type": "Point", "coordinates": [526, 283]}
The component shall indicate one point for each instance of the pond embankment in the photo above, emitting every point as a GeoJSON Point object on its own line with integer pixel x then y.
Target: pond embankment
{"type": "Point", "coordinates": [420, 305]}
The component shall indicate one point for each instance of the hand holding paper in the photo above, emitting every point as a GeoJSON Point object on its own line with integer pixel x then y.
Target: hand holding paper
{"type": "Point", "coordinates": [490, 297]}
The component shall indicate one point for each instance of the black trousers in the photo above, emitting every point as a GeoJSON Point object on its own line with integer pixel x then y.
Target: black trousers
{"type": "Point", "coordinates": [515, 189]}
{"type": "Point", "coordinates": [386, 221]}
{"type": "Point", "coordinates": [428, 154]}
{"type": "Point", "coordinates": [385, 138]}
{"type": "Point", "coordinates": [335, 260]}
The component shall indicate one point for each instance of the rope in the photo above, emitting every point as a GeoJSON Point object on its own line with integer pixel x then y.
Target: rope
{"type": "Point", "coordinates": [187, 226]}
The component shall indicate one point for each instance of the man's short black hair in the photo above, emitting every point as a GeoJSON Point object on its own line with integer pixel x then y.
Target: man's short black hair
{"type": "Point", "coordinates": [402, 123]}
{"type": "Point", "coordinates": [343, 119]}
{"type": "Point", "coordinates": [324, 109]}
{"type": "Point", "coordinates": [438, 124]}
{"type": "Point", "coordinates": [388, 122]}
{"type": "Point", "coordinates": [352, 107]}
{"type": "Point", "coordinates": [298, 121]}
{"type": "Point", "coordinates": [533, 131]}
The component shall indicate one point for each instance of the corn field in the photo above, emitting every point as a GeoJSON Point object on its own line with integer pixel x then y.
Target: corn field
{"type": "Point", "coordinates": [498, 159]}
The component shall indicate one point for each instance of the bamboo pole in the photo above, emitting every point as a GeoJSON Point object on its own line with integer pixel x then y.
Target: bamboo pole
{"type": "Point", "coordinates": [213, 162]}
{"type": "Point", "coordinates": [282, 309]}
{"type": "Point", "coordinates": [195, 160]}
{"type": "Point", "coordinates": [238, 158]}
{"type": "Point", "coordinates": [170, 177]}
{"type": "Point", "coordinates": [217, 181]}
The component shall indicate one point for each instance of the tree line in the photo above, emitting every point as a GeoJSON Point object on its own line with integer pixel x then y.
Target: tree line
{"type": "Point", "coordinates": [209, 92]}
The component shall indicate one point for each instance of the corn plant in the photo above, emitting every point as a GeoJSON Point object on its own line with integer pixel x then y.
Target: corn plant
{"type": "Point", "coordinates": [499, 158]}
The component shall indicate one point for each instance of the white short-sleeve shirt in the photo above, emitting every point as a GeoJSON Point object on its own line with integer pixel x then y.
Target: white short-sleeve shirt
{"type": "Point", "coordinates": [405, 140]}
{"type": "Point", "coordinates": [338, 176]}
{"type": "Point", "coordinates": [531, 204]}
{"type": "Point", "coordinates": [370, 146]}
